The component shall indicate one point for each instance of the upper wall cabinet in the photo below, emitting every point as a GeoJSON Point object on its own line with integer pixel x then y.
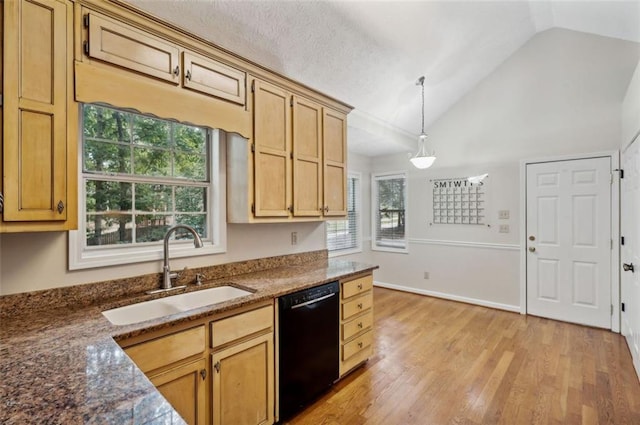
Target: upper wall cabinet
{"type": "Point", "coordinates": [294, 169]}
{"type": "Point", "coordinates": [134, 63]}
{"type": "Point", "coordinates": [39, 144]}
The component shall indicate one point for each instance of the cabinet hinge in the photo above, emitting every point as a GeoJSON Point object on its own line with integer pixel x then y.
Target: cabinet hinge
{"type": "Point", "coordinates": [290, 208]}
{"type": "Point", "coordinates": [622, 307]}
{"type": "Point", "coordinates": [253, 208]}
{"type": "Point", "coordinates": [1, 99]}
{"type": "Point", "coordinates": [611, 178]}
{"type": "Point", "coordinates": [253, 147]}
{"type": "Point", "coordinates": [291, 155]}
{"type": "Point", "coordinates": [612, 309]}
{"type": "Point", "coordinates": [1, 203]}
{"type": "Point", "coordinates": [620, 171]}
{"type": "Point", "coordinates": [291, 102]}
{"type": "Point", "coordinates": [611, 243]}
{"type": "Point", "coordinates": [621, 240]}
{"type": "Point", "coordinates": [253, 86]}
{"type": "Point", "coordinates": [85, 47]}
{"type": "Point", "coordinates": [85, 20]}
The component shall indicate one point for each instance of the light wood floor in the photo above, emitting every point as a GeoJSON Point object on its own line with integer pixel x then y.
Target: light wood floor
{"type": "Point", "coordinates": [441, 362]}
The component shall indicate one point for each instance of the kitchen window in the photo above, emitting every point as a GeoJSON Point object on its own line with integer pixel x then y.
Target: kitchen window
{"type": "Point", "coordinates": [389, 199]}
{"type": "Point", "coordinates": [345, 236]}
{"type": "Point", "coordinates": [139, 176]}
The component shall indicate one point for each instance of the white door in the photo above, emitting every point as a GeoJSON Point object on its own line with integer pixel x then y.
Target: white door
{"type": "Point", "coordinates": [569, 240]}
{"type": "Point", "coordinates": [630, 251]}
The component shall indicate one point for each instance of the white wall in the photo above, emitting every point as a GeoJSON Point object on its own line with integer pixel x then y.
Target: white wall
{"type": "Point", "coordinates": [631, 110]}
{"type": "Point", "coordinates": [33, 261]}
{"type": "Point", "coordinates": [561, 93]}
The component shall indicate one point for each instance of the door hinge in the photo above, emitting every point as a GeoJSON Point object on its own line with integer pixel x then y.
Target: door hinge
{"type": "Point", "coordinates": [622, 307]}
{"type": "Point", "coordinates": [621, 171]}
{"type": "Point", "coordinates": [85, 20]}
{"type": "Point", "coordinates": [621, 240]}
{"type": "Point", "coordinates": [85, 47]}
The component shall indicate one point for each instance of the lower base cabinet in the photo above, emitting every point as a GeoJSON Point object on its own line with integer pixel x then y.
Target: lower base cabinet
{"type": "Point", "coordinates": [185, 388]}
{"type": "Point", "coordinates": [243, 387]}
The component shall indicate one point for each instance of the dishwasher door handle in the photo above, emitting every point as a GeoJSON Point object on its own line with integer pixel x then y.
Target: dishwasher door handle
{"type": "Point", "coordinates": [312, 301]}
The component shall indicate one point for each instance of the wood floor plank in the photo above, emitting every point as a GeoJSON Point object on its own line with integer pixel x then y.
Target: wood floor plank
{"type": "Point", "coordinates": [439, 362]}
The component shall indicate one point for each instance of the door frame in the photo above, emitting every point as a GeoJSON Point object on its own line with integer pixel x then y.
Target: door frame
{"type": "Point", "coordinates": [614, 156]}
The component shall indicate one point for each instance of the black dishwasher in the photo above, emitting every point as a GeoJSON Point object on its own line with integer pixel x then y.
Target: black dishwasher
{"type": "Point", "coordinates": [308, 345]}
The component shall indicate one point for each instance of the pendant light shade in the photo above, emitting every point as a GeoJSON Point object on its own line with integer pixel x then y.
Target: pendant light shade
{"type": "Point", "coordinates": [424, 158]}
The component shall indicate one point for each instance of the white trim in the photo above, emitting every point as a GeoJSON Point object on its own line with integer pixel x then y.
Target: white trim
{"type": "Point", "coordinates": [451, 297]}
{"type": "Point", "coordinates": [342, 252]}
{"type": "Point", "coordinates": [614, 157]}
{"type": "Point", "coordinates": [466, 244]}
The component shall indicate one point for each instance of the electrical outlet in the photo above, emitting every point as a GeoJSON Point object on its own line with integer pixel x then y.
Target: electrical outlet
{"type": "Point", "coordinates": [294, 238]}
{"type": "Point", "coordinates": [426, 275]}
{"type": "Point", "coordinates": [503, 214]}
{"type": "Point", "coordinates": [504, 228]}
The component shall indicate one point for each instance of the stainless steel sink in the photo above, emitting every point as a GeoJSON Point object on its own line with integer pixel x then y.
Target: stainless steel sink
{"type": "Point", "coordinates": [147, 310]}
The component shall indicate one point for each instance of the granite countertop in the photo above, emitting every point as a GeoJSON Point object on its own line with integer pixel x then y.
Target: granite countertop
{"type": "Point", "coordinates": [64, 366]}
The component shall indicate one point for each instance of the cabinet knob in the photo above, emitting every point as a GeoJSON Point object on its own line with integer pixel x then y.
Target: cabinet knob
{"type": "Point", "coordinates": [360, 306]}
{"type": "Point", "coordinates": [360, 325]}
{"type": "Point", "coordinates": [217, 367]}
{"type": "Point", "coordinates": [360, 286]}
{"type": "Point", "coordinates": [176, 71]}
{"type": "Point", "coordinates": [188, 75]}
{"type": "Point", "coordinates": [60, 207]}
{"type": "Point", "coordinates": [360, 344]}
{"type": "Point", "coordinates": [203, 373]}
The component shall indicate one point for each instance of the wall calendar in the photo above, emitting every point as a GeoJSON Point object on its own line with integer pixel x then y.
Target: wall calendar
{"type": "Point", "coordinates": [458, 201]}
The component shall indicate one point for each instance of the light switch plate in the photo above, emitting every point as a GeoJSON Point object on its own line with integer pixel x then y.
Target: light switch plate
{"type": "Point", "coordinates": [503, 214]}
{"type": "Point", "coordinates": [504, 228]}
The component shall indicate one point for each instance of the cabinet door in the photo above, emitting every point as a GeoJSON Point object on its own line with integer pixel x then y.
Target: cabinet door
{"type": "Point", "coordinates": [307, 158]}
{"type": "Point", "coordinates": [335, 163]}
{"type": "Point", "coordinates": [131, 48]}
{"type": "Point", "coordinates": [36, 49]}
{"type": "Point", "coordinates": [272, 140]}
{"type": "Point", "coordinates": [210, 77]}
{"type": "Point", "coordinates": [184, 388]}
{"type": "Point", "coordinates": [243, 383]}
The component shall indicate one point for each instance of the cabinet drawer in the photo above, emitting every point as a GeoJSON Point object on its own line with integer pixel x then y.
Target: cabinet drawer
{"type": "Point", "coordinates": [131, 48]}
{"type": "Point", "coordinates": [357, 305]}
{"type": "Point", "coordinates": [362, 342]}
{"type": "Point", "coordinates": [236, 327]}
{"type": "Point", "coordinates": [357, 325]}
{"type": "Point", "coordinates": [207, 76]}
{"type": "Point", "coordinates": [356, 286]}
{"type": "Point", "coordinates": [168, 349]}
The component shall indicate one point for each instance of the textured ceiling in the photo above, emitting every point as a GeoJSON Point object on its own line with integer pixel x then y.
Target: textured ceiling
{"type": "Point", "coordinates": [370, 53]}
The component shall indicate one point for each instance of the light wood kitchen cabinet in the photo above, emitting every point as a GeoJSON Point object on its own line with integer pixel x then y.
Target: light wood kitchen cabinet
{"type": "Point", "coordinates": [242, 366]}
{"type": "Point", "coordinates": [243, 383]}
{"type": "Point", "coordinates": [185, 388]}
{"type": "Point", "coordinates": [215, 370]}
{"type": "Point", "coordinates": [335, 163]}
{"type": "Point", "coordinates": [272, 146]}
{"type": "Point", "coordinates": [307, 158]}
{"type": "Point", "coordinates": [211, 77]}
{"type": "Point", "coordinates": [39, 182]}
{"type": "Point", "coordinates": [294, 169]}
{"type": "Point", "coordinates": [356, 322]}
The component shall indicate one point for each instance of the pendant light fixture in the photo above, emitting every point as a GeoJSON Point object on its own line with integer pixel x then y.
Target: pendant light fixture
{"type": "Point", "coordinates": [423, 158]}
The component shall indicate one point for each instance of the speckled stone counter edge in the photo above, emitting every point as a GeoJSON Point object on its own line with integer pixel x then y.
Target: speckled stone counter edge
{"type": "Point", "coordinates": [79, 296]}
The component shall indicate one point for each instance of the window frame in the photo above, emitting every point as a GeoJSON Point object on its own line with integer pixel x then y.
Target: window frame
{"type": "Point", "coordinates": [375, 177]}
{"type": "Point", "coordinates": [82, 258]}
{"type": "Point", "coordinates": [358, 233]}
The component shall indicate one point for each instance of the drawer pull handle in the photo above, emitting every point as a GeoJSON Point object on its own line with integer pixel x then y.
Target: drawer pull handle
{"type": "Point", "coordinates": [360, 344]}
{"type": "Point", "coordinates": [360, 286]}
{"type": "Point", "coordinates": [360, 306]}
{"type": "Point", "coordinates": [360, 325]}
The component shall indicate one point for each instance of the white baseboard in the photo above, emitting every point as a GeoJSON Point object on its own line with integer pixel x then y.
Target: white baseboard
{"type": "Point", "coordinates": [475, 301]}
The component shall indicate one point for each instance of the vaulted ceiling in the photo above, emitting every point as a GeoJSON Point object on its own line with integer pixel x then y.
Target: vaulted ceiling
{"type": "Point", "coordinates": [370, 53]}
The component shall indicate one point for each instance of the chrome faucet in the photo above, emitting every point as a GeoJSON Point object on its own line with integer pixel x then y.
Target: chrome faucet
{"type": "Point", "coordinates": [166, 271]}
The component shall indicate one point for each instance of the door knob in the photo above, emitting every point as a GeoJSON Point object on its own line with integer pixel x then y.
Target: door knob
{"type": "Point", "coordinates": [532, 249]}
{"type": "Point", "coordinates": [628, 267]}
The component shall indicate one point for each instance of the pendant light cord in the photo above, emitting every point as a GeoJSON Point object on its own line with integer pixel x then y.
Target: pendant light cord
{"type": "Point", "coordinates": [421, 82]}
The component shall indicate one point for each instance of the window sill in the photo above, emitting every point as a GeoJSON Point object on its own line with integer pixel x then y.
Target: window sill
{"type": "Point", "coordinates": [341, 252]}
